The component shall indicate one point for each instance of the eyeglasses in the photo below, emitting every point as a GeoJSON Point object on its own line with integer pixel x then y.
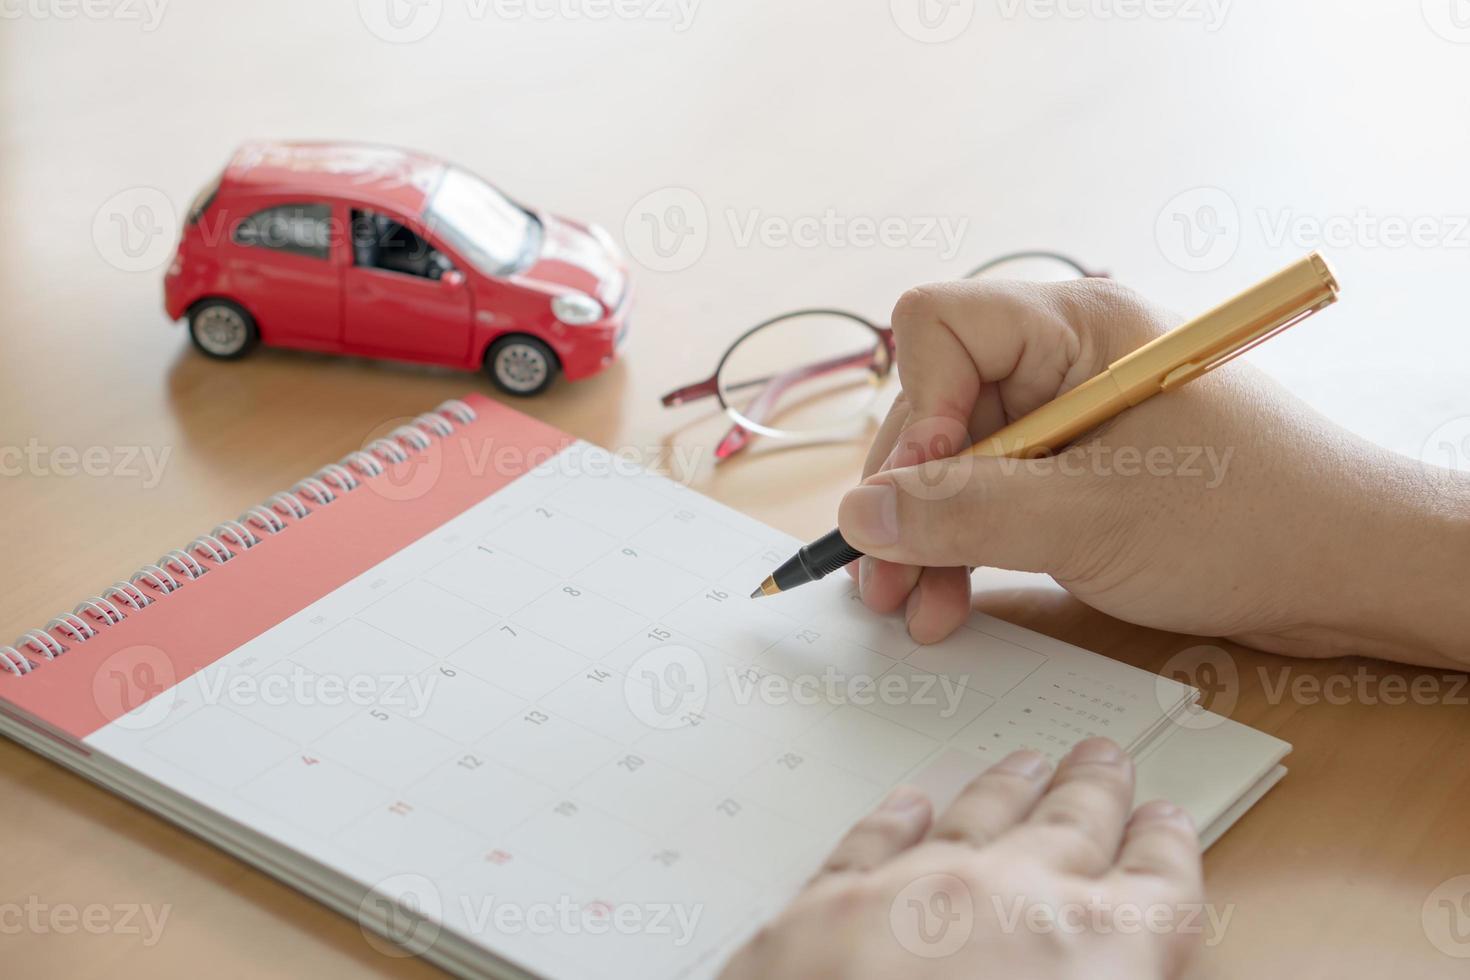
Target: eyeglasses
{"type": "Point", "coordinates": [816, 375]}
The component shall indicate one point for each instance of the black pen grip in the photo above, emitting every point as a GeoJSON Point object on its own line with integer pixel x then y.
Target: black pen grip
{"type": "Point", "coordinates": [815, 561]}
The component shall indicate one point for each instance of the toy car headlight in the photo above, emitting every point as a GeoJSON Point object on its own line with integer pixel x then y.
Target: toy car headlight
{"type": "Point", "coordinates": [576, 309]}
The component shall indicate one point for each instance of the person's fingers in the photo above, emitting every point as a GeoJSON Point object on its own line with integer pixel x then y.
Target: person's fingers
{"type": "Point", "coordinates": [1078, 824]}
{"type": "Point", "coordinates": [939, 605]}
{"type": "Point", "coordinates": [989, 414]}
{"type": "Point", "coordinates": [1160, 842]}
{"type": "Point", "coordinates": [995, 801]}
{"type": "Point", "coordinates": [972, 356]}
{"type": "Point", "coordinates": [926, 438]}
{"type": "Point", "coordinates": [955, 338]}
{"type": "Point", "coordinates": [886, 438]}
{"type": "Point", "coordinates": [972, 510]}
{"type": "Point", "coordinates": [898, 823]}
{"type": "Point", "coordinates": [885, 586]}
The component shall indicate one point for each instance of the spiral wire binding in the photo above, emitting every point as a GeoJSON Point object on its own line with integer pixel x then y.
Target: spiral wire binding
{"type": "Point", "coordinates": [227, 540]}
{"type": "Point", "coordinates": [14, 662]}
{"type": "Point", "coordinates": [132, 596]}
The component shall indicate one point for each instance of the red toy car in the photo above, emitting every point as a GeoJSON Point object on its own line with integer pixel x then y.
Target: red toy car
{"type": "Point", "coordinates": [383, 253]}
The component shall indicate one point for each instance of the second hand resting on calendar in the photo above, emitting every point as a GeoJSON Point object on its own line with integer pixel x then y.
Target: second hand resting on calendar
{"type": "Point", "coordinates": [1330, 546]}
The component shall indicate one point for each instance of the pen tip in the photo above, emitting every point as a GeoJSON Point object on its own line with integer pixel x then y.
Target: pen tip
{"type": "Point", "coordinates": [768, 587]}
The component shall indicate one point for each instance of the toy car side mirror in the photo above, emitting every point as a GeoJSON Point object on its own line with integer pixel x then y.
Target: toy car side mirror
{"type": "Point", "coordinates": [452, 279]}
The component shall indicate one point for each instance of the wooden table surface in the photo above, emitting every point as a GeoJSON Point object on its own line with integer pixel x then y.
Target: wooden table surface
{"type": "Point", "coordinates": [1252, 127]}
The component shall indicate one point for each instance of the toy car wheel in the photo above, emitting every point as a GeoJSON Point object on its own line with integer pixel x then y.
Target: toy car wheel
{"type": "Point", "coordinates": [521, 365]}
{"type": "Point", "coordinates": [222, 329]}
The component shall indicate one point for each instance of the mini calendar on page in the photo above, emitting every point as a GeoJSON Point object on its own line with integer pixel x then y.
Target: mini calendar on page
{"type": "Point", "coordinates": [503, 698]}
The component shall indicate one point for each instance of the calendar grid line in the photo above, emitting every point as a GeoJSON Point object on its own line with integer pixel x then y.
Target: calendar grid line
{"type": "Point", "coordinates": [511, 621]}
{"type": "Point", "coordinates": [516, 555]}
{"type": "Point", "coordinates": [470, 599]}
{"type": "Point", "coordinates": [640, 529]}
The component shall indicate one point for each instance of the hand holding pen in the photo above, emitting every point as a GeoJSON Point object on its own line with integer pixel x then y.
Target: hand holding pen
{"type": "Point", "coordinates": [1218, 509]}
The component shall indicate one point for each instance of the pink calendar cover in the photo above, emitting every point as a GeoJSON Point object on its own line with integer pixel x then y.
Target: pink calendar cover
{"type": "Point", "coordinates": [301, 545]}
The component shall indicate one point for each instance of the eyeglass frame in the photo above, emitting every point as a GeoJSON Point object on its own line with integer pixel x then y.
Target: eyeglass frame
{"type": "Point", "coordinates": [742, 432]}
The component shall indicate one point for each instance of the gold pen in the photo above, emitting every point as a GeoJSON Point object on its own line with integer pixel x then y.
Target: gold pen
{"type": "Point", "coordinates": [1163, 364]}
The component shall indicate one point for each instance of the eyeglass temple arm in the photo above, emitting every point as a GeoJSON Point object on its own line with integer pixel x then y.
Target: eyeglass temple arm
{"type": "Point", "coordinates": [691, 393]}
{"type": "Point", "coordinates": [711, 386]}
{"type": "Point", "coordinates": [739, 437]}
{"type": "Point", "coordinates": [706, 389]}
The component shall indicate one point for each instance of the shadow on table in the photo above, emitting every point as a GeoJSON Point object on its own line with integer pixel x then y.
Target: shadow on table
{"type": "Point", "coordinates": [322, 406]}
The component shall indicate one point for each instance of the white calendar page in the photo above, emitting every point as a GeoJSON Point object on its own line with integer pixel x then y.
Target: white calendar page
{"type": "Point", "coordinates": [558, 727]}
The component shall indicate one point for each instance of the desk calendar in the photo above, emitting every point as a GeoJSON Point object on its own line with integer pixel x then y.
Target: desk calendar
{"type": "Point", "coordinates": [503, 699]}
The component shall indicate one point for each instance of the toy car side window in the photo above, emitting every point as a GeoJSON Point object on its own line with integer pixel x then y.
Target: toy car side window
{"type": "Point", "coordinates": [297, 229]}
{"type": "Point", "coordinates": [382, 242]}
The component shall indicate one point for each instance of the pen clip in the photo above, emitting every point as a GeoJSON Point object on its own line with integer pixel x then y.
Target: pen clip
{"type": "Point", "coordinates": [1185, 373]}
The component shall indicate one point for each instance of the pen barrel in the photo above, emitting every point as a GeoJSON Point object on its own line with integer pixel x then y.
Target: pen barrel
{"type": "Point", "coordinates": [1229, 329]}
{"type": "Point", "coordinates": [1170, 361]}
